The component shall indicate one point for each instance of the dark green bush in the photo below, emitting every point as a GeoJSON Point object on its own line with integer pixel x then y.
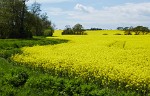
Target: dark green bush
{"type": "Point", "coordinates": [48, 32]}
{"type": "Point", "coordinates": [19, 78]}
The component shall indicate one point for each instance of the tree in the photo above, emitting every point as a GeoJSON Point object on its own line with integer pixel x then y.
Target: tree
{"type": "Point", "coordinates": [119, 28]}
{"type": "Point", "coordinates": [35, 10]}
{"type": "Point", "coordinates": [138, 29]}
{"type": "Point", "coordinates": [5, 18]}
{"type": "Point", "coordinates": [128, 30]}
{"type": "Point", "coordinates": [67, 30]}
{"type": "Point", "coordinates": [23, 33]}
{"type": "Point", "coordinates": [78, 29]}
{"type": "Point", "coordinates": [49, 31]}
{"type": "Point", "coordinates": [40, 21]}
{"type": "Point", "coordinates": [12, 16]}
{"type": "Point", "coordinates": [15, 20]}
{"type": "Point", "coordinates": [145, 30]}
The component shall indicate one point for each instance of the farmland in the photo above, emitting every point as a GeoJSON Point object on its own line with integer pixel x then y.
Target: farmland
{"type": "Point", "coordinates": [111, 61]}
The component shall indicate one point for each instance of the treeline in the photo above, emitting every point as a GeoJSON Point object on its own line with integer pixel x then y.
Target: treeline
{"type": "Point", "coordinates": [16, 21]}
{"type": "Point", "coordinates": [75, 30]}
{"type": "Point", "coordinates": [95, 29]}
{"type": "Point", "coordinates": [136, 30]}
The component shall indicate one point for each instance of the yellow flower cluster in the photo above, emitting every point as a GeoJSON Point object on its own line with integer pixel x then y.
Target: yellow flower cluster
{"type": "Point", "coordinates": [122, 61]}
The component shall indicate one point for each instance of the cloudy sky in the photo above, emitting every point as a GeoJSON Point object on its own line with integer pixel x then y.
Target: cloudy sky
{"type": "Point", "coordinates": [108, 14]}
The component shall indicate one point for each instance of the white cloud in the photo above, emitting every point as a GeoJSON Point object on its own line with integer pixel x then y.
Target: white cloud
{"type": "Point", "coordinates": [83, 8]}
{"type": "Point", "coordinates": [130, 14]}
{"type": "Point", "coordinates": [127, 14]}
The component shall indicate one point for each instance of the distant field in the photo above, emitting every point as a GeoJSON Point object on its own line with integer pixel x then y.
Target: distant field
{"type": "Point", "coordinates": [113, 61]}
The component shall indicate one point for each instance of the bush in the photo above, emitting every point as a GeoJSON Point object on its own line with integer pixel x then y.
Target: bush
{"type": "Point", "coordinates": [48, 32]}
{"type": "Point", "coordinates": [18, 77]}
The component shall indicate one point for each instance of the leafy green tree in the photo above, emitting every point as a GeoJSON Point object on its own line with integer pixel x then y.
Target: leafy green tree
{"type": "Point", "coordinates": [67, 30]}
{"type": "Point", "coordinates": [138, 29]}
{"type": "Point", "coordinates": [5, 18]}
{"type": "Point", "coordinates": [40, 21]}
{"type": "Point", "coordinates": [12, 16]}
{"type": "Point", "coordinates": [49, 32]}
{"type": "Point", "coordinates": [15, 19]}
{"type": "Point", "coordinates": [141, 29]}
{"type": "Point", "coordinates": [119, 28]}
{"type": "Point", "coordinates": [128, 30]}
{"type": "Point", "coordinates": [145, 30]}
{"type": "Point", "coordinates": [78, 29]}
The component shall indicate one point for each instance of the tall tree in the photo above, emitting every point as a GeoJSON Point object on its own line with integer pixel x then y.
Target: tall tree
{"type": "Point", "coordinates": [35, 10]}
{"type": "Point", "coordinates": [128, 30]}
{"type": "Point", "coordinates": [119, 28]}
{"type": "Point", "coordinates": [40, 21]}
{"type": "Point", "coordinates": [12, 24]}
{"type": "Point", "coordinates": [15, 19]}
{"type": "Point", "coordinates": [137, 30]}
{"type": "Point", "coordinates": [5, 18]}
{"type": "Point", "coordinates": [145, 30]}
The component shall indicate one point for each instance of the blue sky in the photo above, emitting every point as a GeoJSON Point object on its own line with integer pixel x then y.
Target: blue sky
{"type": "Point", "coordinates": [107, 14]}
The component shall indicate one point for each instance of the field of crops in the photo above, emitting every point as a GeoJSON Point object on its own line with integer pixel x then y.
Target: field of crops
{"type": "Point", "coordinates": [113, 61]}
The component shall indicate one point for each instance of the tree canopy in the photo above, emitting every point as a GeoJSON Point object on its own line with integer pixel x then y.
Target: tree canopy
{"type": "Point", "coordinates": [137, 30]}
{"type": "Point", "coordinates": [75, 30]}
{"type": "Point", "coordinates": [16, 21]}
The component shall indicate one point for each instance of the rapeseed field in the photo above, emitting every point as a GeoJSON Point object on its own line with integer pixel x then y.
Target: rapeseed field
{"type": "Point", "coordinates": [113, 61]}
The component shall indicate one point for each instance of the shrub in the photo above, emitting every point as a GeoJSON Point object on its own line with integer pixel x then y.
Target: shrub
{"type": "Point", "coordinates": [19, 77]}
{"type": "Point", "coordinates": [48, 32]}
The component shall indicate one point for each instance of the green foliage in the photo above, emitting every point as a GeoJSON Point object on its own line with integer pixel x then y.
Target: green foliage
{"type": "Point", "coordinates": [137, 30]}
{"type": "Point", "coordinates": [39, 22]}
{"type": "Point", "coordinates": [49, 32]}
{"type": "Point", "coordinates": [16, 20]}
{"type": "Point", "coordinates": [12, 16]}
{"type": "Point", "coordinates": [18, 78]}
{"type": "Point", "coordinates": [127, 32]}
{"type": "Point", "coordinates": [68, 31]}
{"type": "Point", "coordinates": [76, 30]}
